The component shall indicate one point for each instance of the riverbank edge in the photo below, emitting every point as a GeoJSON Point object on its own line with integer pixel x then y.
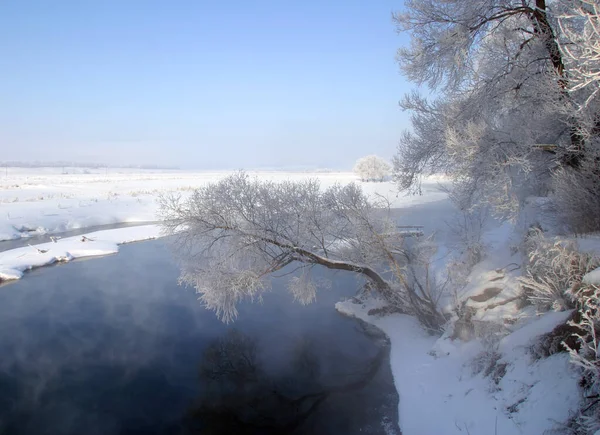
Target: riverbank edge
{"type": "Point", "coordinates": [15, 262]}
{"type": "Point", "coordinates": [379, 335]}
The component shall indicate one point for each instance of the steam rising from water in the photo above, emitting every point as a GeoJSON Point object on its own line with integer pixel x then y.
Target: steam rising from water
{"type": "Point", "coordinates": [113, 345]}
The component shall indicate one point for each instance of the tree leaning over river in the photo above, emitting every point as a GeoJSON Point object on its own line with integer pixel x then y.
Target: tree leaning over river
{"type": "Point", "coordinates": [235, 234]}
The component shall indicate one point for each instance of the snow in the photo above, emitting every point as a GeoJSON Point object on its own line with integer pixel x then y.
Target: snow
{"type": "Point", "coordinates": [37, 201]}
{"type": "Point", "coordinates": [442, 384]}
{"type": "Point", "coordinates": [440, 393]}
{"type": "Point", "coordinates": [590, 243]}
{"type": "Point", "coordinates": [16, 261]}
{"type": "Point", "coordinates": [522, 337]}
{"type": "Point", "coordinates": [592, 277]}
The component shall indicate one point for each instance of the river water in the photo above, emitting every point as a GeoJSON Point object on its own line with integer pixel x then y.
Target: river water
{"type": "Point", "coordinates": [113, 345]}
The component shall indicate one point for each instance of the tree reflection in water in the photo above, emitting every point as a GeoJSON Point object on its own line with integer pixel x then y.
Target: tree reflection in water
{"type": "Point", "coordinates": [240, 397]}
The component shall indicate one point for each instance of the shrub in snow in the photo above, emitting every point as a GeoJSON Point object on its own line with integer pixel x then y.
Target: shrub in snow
{"type": "Point", "coordinates": [558, 340]}
{"type": "Point", "coordinates": [467, 227]}
{"type": "Point", "coordinates": [553, 269]}
{"type": "Point", "coordinates": [586, 356]}
{"type": "Point", "coordinates": [577, 197]}
{"type": "Point", "coordinates": [372, 168]}
{"type": "Point", "coordinates": [554, 280]}
{"type": "Point", "coordinates": [489, 363]}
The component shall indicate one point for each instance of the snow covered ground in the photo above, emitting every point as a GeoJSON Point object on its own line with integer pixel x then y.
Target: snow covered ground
{"type": "Point", "coordinates": [46, 200]}
{"type": "Point", "coordinates": [490, 383]}
{"type": "Point", "coordinates": [16, 261]}
{"type": "Point", "coordinates": [444, 389]}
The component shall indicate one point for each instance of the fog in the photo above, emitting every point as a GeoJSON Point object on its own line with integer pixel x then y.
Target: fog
{"type": "Point", "coordinates": [115, 345]}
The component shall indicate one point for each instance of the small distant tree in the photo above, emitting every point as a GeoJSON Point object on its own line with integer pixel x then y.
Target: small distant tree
{"type": "Point", "coordinates": [372, 168]}
{"type": "Point", "coordinates": [232, 236]}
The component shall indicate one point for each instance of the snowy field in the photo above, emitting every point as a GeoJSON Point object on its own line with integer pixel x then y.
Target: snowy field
{"type": "Point", "coordinates": [46, 200]}
{"type": "Point", "coordinates": [42, 203]}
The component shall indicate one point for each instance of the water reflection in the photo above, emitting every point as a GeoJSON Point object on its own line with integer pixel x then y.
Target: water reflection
{"type": "Point", "coordinates": [240, 396]}
{"type": "Point", "coordinates": [114, 346]}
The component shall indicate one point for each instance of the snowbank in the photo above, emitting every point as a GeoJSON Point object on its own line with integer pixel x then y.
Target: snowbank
{"type": "Point", "coordinates": [16, 261]}
{"type": "Point", "coordinates": [486, 385]}
{"type": "Point", "coordinates": [442, 392]}
{"type": "Point", "coordinates": [523, 336]}
{"type": "Point", "coordinates": [592, 277]}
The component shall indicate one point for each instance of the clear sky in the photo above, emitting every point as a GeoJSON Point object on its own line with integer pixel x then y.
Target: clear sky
{"type": "Point", "coordinates": [200, 84]}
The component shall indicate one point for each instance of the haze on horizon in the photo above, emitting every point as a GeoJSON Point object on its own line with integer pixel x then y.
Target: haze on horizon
{"type": "Point", "coordinates": [200, 84]}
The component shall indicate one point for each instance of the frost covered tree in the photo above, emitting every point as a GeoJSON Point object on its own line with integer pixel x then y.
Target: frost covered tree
{"type": "Point", "coordinates": [232, 236]}
{"type": "Point", "coordinates": [577, 193]}
{"type": "Point", "coordinates": [372, 168]}
{"type": "Point", "coordinates": [580, 27]}
{"type": "Point", "coordinates": [504, 114]}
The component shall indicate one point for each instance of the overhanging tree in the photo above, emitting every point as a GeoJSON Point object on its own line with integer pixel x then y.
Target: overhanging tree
{"type": "Point", "coordinates": [234, 234]}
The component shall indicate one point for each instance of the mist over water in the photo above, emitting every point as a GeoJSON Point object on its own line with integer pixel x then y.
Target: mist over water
{"type": "Point", "coordinates": [115, 346]}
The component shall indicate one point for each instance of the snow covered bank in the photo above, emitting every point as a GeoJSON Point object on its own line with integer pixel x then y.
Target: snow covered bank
{"type": "Point", "coordinates": [487, 374]}
{"type": "Point", "coordinates": [450, 387]}
{"type": "Point", "coordinates": [16, 261]}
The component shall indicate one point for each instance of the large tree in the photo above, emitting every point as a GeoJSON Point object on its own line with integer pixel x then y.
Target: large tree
{"type": "Point", "coordinates": [503, 111]}
{"type": "Point", "coordinates": [234, 234]}
{"type": "Point", "coordinates": [580, 44]}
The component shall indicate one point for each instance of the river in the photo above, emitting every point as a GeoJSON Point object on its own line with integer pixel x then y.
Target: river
{"type": "Point", "coordinates": [114, 345]}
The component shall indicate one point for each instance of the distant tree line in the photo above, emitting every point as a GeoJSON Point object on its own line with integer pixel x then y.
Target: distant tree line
{"type": "Point", "coordinates": [62, 164]}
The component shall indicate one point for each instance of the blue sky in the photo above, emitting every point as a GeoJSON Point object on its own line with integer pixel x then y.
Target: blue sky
{"type": "Point", "coordinates": [200, 84]}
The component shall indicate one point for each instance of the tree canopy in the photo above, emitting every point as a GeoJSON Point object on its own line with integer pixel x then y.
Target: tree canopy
{"type": "Point", "coordinates": [232, 236]}
{"type": "Point", "coordinates": [504, 75]}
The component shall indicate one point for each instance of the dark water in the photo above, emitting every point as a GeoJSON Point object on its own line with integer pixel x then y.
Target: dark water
{"type": "Point", "coordinates": [114, 346]}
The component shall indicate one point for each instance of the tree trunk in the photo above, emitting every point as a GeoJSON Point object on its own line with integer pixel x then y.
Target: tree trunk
{"type": "Point", "coordinates": [370, 273]}
{"type": "Point", "coordinates": [542, 27]}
